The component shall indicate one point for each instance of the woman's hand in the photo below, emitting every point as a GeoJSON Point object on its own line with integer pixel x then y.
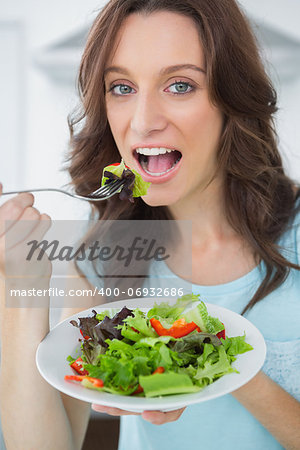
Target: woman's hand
{"type": "Point", "coordinates": [155, 417]}
{"type": "Point", "coordinates": [21, 223]}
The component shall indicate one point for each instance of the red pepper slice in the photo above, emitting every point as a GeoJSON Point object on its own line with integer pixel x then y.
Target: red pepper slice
{"type": "Point", "coordinates": [74, 377]}
{"type": "Point", "coordinates": [221, 333]}
{"type": "Point", "coordinates": [85, 337]}
{"type": "Point", "coordinates": [77, 366]}
{"type": "Point", "coordinates": [179, 328]}
{"type": "Point", "coordinates": [117, 164]}
{"type": "Point", "coordinates": [95, 381]}
{"type": "Point", "coordinates": [139, 389]}
{"type": "Point", "coordinates": [134, 329]}
{"type": "Point", "coordinates": [160, 369]}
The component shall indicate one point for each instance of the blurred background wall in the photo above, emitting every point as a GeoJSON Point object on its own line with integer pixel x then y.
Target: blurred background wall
{"type": "Point", "coordinates": [40, 48]}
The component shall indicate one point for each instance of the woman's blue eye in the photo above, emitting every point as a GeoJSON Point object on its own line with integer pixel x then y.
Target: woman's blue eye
{"type": "Point", "coordinates": [121, 89]}
{"type": "Point", "coordinates": [180, 87]}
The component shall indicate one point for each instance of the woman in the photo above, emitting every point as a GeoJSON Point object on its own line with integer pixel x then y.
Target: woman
{"type": "Point", "coordinates": [183, 76]}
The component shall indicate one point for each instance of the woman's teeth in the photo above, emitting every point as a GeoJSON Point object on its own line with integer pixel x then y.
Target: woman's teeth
{"type": "Point", "coordinates": [154, 151]}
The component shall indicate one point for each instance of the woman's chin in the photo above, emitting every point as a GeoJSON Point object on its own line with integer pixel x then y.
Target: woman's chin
{"type": "Point", "coordinates": [163, 199]}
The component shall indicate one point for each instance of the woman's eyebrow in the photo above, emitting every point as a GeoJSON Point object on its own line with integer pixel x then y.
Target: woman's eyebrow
{"type": "Point", "coordinates": [170, 69]}
{"type": "Point", "coordinates": [164, 71]}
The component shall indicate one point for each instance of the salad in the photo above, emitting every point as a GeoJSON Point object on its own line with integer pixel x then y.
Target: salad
{"type": "Point", "coordinates": [171, 349]}
{"type": "Point", "coordinates": [134, 185]}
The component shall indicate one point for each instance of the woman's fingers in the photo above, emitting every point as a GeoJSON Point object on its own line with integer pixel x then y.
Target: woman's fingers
{"type": "Point", "coordinates": [36, 236]}
{"type": "Point", "coordinates": [159, 417]}
{"type": "Point", "coordinates": [112, 411]}
{"type": "Point", "coordinates": [38, 230]}
{"type": "Point", "coordinates": [155, 417]}
{"type": "Point", "coordinates": [33, 261]}
{"type": "Point", "coordinates": [21, 224]}
{"type": "Point", "coordinates": [32, 226]}
{"type": "Point", "coordinates": [22, 228]}
{"type": "Point", "coordinates": [13, 209]}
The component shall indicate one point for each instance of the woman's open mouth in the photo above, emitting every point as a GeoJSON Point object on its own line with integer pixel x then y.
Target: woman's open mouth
{"type": "Point", "coordinates": [157, 162]}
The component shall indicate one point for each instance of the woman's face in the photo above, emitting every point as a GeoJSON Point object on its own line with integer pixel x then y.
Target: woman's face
{"type": "Point", "coordinates": [158, 107]}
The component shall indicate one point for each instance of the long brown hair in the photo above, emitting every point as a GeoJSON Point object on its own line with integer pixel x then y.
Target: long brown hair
{"type": "Point", "coordinates": [259, 197]}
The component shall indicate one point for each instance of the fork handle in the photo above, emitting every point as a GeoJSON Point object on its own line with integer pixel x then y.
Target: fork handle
{"type": "Point", "coordinates": [38, 190]}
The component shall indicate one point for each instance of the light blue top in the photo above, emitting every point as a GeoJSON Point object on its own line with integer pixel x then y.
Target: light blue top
{"type": "Point", "coordinates": [224, 423]}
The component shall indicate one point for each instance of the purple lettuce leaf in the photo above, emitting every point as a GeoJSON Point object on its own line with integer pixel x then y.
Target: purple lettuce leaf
{"type": "Point", "coordinates": [99, 331]}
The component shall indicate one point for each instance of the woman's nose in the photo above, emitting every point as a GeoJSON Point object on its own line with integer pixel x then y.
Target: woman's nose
{"type": "Point", "coordinates": [147, 116]}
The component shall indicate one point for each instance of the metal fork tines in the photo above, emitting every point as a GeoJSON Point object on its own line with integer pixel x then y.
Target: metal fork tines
{"type": "Point", "coordinates": [107, 191]}
{"type": "Point", "coordinates": [102, 193]}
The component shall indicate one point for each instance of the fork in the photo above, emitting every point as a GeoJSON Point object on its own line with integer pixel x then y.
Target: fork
{"type": "Point", "coordinates": [102, 193]}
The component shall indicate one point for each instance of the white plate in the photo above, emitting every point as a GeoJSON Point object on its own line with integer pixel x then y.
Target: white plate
{"type": "Point", "coordinates": [63, 341]}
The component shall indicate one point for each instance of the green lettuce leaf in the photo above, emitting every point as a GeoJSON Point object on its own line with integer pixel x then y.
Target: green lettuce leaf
{"type": "Point", "coordinates": [164, 311]}
{"type": "Point", "coordinates": [200, 316]}
{"type": "Point", "coordinates": [166, 384]}
{"type": "Point", "coordinates": [108, 312]}
{"type": "Point", "coordinates": [213, 370]}
{"type": "Point", "coordinates": [135, 184]}
{"type": "Point", "coordinates": [140, 322]}
{"type": "Point", "coordinates": [236, 345]}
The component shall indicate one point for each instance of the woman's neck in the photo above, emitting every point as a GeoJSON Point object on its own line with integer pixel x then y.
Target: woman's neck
{"type": "Point", "coordinates": [206, 211]}
{"type": "Point", "coordinates": [209, 251]}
